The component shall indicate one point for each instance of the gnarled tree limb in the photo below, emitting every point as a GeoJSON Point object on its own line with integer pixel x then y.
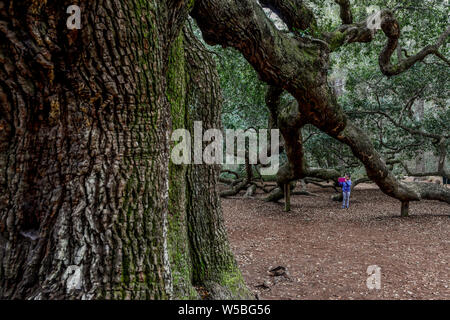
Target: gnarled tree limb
{"type": "Point", "coordinates": [361, 32]}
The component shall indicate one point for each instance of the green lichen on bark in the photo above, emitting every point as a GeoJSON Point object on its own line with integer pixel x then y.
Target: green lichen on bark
{"type": "Point", "coordinates": [337, 40]}
{"type": "Point", "coordinates": [214, 266]}
{"type": "Point", "coordinates": [233, 284]}
{"type": "Point", "coordinates": [141, 214]}
{"type": "Point", "coordinates": [181, 265]}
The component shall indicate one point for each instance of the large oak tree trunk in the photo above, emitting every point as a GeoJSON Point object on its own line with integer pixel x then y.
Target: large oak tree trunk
{"type": "Point", "coordinates": [85, 150]}
{"type": "Point", "coordinates": [84, 153]}
{"type": "Point", "coordinates": [196, 227]}
{"type": "Point", "coordinates": [214, 266]}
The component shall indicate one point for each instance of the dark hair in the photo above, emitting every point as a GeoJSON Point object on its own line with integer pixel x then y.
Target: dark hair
{"type": "Point", "coordinates": [348, 175]}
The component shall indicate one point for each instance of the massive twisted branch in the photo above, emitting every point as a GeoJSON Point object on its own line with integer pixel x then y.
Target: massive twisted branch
{"type": "Point", "coordinates": [299, 66]}
{"type": "Point", "coordinates": [288, 119]}
{"type": "Point", "coordinates": [391, 29]}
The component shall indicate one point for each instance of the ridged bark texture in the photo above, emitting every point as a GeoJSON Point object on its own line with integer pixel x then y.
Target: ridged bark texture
{"type": "Point", "coordinates": [84, 150]}
{"type": "Point", "coordinates": [215, 268]}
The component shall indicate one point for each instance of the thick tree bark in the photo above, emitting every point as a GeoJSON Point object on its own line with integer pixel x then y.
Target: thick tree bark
{"type": "Point", "coordinates": [214, 266]}
{"type": "Point", "coordinates": [85, 206]}
{"type": "Point", "coordinates": [178, 237]}
{"type": "Point", "coordinates": [85, 147]}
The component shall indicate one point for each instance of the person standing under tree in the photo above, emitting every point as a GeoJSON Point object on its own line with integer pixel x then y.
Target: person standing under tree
{"type": "Point", "coordinates": [346, 188]}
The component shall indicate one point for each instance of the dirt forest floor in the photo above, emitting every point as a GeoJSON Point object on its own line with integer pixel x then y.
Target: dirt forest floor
{"type": "Point", "coordinates": [326, 250]}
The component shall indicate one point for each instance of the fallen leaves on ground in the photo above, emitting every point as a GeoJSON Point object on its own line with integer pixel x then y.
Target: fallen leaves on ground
{"type": "Point", "coordinates": [327, 249]}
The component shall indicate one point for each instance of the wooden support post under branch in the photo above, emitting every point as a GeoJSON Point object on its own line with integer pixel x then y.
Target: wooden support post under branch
{"type": "Point", "coordinates": [405, 209]}
{"type": "Point", "coordinates": [287, 197]}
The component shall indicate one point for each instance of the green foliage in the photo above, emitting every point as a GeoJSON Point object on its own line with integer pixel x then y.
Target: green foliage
{"type": "Point", "coordinates": [244, 94]}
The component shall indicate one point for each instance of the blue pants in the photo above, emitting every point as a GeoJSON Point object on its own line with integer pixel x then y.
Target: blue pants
{"type": "Point", "coordinates": [346, 200]}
